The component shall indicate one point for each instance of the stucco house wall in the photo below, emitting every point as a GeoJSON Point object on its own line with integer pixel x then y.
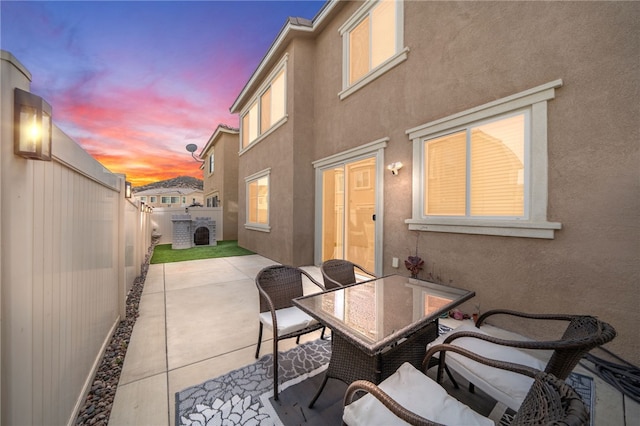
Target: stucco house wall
{"type": "Point", "coordinates": [223, 182]}
{"type": "Point", "coordinates": [462, 55]}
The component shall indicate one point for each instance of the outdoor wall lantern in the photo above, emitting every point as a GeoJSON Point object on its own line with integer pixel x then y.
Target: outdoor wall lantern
{"type": "Point", "coordinates": [394, 167]}
{"type": "Point", "coordinates": [127, 189]}
{"type": "Point", "coordinates": [192, 147]}
{"type": "Point", "coordinates": [32, 126]}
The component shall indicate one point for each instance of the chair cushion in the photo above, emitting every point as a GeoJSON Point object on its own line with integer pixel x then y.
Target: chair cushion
{"type": "Point", "coordinates": [289, 320]}
{"type": "Point", "coordinates": [417, 393]}
{"type": "Point", "coordinates": [504, 386]}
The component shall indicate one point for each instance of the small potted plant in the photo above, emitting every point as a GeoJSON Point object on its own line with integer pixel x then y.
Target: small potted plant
{"type": "Point", "coordinates": [414, 263]}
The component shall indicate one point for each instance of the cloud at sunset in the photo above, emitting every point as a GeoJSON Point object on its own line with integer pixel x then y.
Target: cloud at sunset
{"type": "Point", "coordinates": [134, 82]}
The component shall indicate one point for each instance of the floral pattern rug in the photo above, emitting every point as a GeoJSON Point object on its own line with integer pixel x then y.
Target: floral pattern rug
{"type": "Point", "coordinates": [238, 397]}
{"type": "Point", "coordinates": [241, 397]}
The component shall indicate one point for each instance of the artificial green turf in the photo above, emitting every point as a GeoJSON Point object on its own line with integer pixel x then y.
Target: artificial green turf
{"type": "Point", "coordinates": [164, 254]}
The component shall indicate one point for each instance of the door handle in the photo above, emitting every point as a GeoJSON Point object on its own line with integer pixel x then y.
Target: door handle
{"type": "Point", "coordinates": [373, 217]}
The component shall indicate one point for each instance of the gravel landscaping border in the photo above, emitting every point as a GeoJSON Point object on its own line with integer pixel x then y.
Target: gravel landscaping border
{"type": "Point", "coordinates": [97, 405]}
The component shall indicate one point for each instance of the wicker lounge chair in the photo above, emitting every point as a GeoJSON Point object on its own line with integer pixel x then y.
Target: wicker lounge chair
{"type": "Point", "coordinates": [339, 272]}
{"type": "Point", "coordinates": [277, 286]}
{"type": "Point", "coordinates": [410, 396]}
{"type": "Point", "coordinates": [558, 357]}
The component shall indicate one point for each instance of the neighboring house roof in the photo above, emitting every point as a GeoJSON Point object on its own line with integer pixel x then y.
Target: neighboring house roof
{"type": "Point", "coordinates": [294, 27]}
{"type": "Point", "coordinates": [158, 191]}
{"type": "Point", "coordinates": [222, 128]}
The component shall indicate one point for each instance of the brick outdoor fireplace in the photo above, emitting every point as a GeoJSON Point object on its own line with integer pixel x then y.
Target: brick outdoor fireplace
{"type": "Point", "coordinates": [188, 232]}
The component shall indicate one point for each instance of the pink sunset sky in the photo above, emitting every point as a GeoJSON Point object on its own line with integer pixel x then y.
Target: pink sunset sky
{"type": "Point", "coordinates": [134, 82]}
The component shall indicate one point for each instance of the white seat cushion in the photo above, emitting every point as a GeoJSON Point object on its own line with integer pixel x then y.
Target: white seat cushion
{"type": "Point", "coordinates": [289, 320]}
{"type": "Point", "coordinates": [417, 393]}
{"type": "Point", "coordinates": [504, 386]}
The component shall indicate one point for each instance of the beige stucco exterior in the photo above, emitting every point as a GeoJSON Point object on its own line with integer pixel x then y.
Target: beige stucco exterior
{"type": "Point", "coordinates": [223, 181]}
{"type": "Point", "coordinates": [462, 55]}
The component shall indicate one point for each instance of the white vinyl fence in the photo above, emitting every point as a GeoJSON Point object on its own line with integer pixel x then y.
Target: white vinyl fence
{"type": "Point", "coordinates": [71, 247]}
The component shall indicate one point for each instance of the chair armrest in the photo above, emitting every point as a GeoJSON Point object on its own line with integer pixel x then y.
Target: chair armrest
{"type": "Point", "coordinates": [272, 308]}
{"type": "Point", "coordinates": [505, 365]}
{"type": "Point", "coordinates": [364, 270]}
{"type": "Point", "coordinates": [331, 280]}
{"type": "Point", "coordinates": [522, 344]}
{"type": "Point", "coordinates": [387, 401]}
{"type": "Point", "coordinates": [557, 317]}
{"type": "Point", "coordinates": [306, 274]}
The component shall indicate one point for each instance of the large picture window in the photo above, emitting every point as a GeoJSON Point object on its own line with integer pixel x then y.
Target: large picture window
{"type": "Point", "coordinates": [478, 171]}
{"type": "Point", "coordinates": [484, 170]}
{"type": "Point", "coordinates": [372, 43]}
{"type": "Point", "coordinates": [257, 188]}
{"type": "Point", "coordinates": [267, 111]}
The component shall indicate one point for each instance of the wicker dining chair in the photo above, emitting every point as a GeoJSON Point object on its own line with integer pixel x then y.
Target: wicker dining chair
{"type": "Point", "coordinates": [411, 396]}
{"type": "Point", "coordinates": [339, 272]}
{"type": "Point", "coordinates": [558, 357]}
{"type": "Point", "coordinates": [277, 286]}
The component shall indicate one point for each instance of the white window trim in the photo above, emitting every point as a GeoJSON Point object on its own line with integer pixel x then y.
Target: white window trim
{"type": "Point", "coordinates": [401, 55]}
{"type": "Point", "coordinates": [258, 226]}
{"type": "Point", "coordinates": [256, 98]}
{"type": "Point", "coordinates": [535, 225]}
{"type": "Point", "coordinates": [375, 148]}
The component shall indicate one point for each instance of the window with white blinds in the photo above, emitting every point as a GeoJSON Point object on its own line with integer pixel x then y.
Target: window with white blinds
{"type": "Point", "coordinates": [257, 187]}
{"type": "Point", "coordinates": [478, 171]}
{"type": "Point", "coordinates": [265, 112]}
{"type": "Point", "coordinates": [484, 170]}
{"type": "Point", "coordinates": [372, 43]}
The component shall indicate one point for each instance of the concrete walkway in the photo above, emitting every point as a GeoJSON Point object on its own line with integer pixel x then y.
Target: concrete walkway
{"type": "Point", "coordinates": [198, 320]}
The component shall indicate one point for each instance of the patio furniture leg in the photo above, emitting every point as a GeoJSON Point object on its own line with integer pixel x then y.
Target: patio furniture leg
{"type": "Point", "coordinates": [455, 384]}
{"type": "Point", "coordinates": [275, 369]}
{"type": "Point", "coordinates": [324, 382]}
{"type": "Point", "coordinates": [259, 341]}
{"type": "Point", "coordinates": [298, 340]}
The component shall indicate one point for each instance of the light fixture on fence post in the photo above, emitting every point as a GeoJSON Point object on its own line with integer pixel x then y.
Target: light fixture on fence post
{"type": "Point", "coordinates": [127, 189]}
{"type": "Point", "coordinates": [32, 126]}
{"type": "Point", "coordinates": [192, 147]}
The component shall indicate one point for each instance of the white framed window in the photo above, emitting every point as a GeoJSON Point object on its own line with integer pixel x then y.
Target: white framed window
{"type": "Point", "coordinates": [143, 198]}
{"type": "Point", "coordinates": [153, 199]}
{"type": "Point", "coordinates": [484, 170]}
{"type": "Point", "coordinates": [211, 162]}
{"type": "Point", "coordinates": [166, 200]}
{"type": "Point", "coordinates": [372, 43]}
{"type": "Point", "coordinates": [267, 110]}
{"type": "Point", "coordinates": [257, 201]}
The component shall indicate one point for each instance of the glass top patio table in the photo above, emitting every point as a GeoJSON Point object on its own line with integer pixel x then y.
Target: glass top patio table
{"type": "Point", "coordinates": [377, 313]}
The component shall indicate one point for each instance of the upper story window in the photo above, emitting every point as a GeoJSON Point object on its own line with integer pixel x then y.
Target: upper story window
{"type": "Point", "coordinates": [268, 110]}
{"type": "Point", "coordinates": [211, 163]}
{"type": "Point", "coordinates": [257, 187]}
{"type": "Point", "coordinates": [484, 170]}
{"type": "Point", "coordinates": [372, 42]}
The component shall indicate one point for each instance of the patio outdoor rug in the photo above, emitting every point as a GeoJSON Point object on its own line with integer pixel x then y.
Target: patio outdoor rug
{"type": "Point", "coordinates": [245, 396]}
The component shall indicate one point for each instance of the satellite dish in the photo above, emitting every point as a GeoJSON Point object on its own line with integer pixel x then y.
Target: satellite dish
{"type": "Point", "coordinates": [192, 147]}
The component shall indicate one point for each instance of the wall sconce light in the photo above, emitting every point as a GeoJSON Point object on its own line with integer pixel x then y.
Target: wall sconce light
{"type": "Point", "coordinates": [127, 189]}
{"type": "Point", "coordinates": [192, 147]}
{"type": "Point", "coordinates": [32, 126]}
{"type": "Point", "coordinates": [394, 167]}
